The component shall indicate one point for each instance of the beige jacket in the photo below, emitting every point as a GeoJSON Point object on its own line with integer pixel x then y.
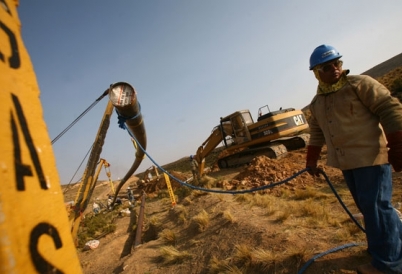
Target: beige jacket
{"type": "Point", "coordinates": [352, 122]}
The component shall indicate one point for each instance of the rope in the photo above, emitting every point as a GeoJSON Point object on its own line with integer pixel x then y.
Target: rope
{"type": "Point", "coordinates": [79, 117]}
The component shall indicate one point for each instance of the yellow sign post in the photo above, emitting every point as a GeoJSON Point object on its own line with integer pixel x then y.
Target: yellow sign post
{"type": "Point", "coordinates": [170, 189]}
{"type": "Point", "coordinates": [35, 234]}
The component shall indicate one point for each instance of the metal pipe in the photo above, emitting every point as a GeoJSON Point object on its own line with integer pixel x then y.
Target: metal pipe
{"type": "Point", "coordinates": [124, 98]}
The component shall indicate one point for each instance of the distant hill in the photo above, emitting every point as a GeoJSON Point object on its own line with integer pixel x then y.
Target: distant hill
{"type": "Point", "coordinates": [385, 67]}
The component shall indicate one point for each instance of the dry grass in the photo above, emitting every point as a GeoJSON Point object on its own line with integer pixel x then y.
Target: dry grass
{"type": "Point", "coordinates": [223, 266]}
{"type": "Point", "coordinates": [281, 216]}
{"type": "Point", "coordinates": [197, 193]}
{"type": "Point", "coordinates": [300, 254]}
{"type": "Point", "coordinates": [262, 200]}
{"type": "Point", "coordinates": [171, 255]}
{"type": "Point", "coordinates": [154, 221]}
{"type": "Point", "coordinates": [180, 212]}
{"type": "Point", "coordinates": [254, 257]}
{"type": "Point", "coordinates": [242, 198]}
{"type": "Point", "coordinates": [227, 215]}
{"type": "Point", "coordinates": [202, 220]}
{"type": "Point", "coordinates": [168, 236]}
{"type": "Point", "coordinates": [186, 201]}
{"type": "Point", "coordinates": [208, 182]}
{"type": "Point", "coordinates": [307, 193]}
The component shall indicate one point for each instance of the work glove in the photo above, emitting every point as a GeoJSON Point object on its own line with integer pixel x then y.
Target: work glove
{"type": "Point", "coordinates": [395, 150]}
{"type": "Point", "coordinates": [313, 153]}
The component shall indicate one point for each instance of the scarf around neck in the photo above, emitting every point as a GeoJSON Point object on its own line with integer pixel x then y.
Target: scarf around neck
{"type": "Point", "coordinates": [324, 88]}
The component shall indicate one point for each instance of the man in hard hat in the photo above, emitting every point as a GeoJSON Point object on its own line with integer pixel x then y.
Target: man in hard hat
{"type": "Point", "coordinates": [130, 196]}
{"type": "Point", "coordinates": [194, 169]}
{"type": "Point", "coordinates": [361, 125]}
{"type": "Point", "coordinates": [95, 207]}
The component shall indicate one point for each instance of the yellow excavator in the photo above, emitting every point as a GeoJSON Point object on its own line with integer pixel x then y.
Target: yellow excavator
{"type": "Point", "coordinates": [272, 135]}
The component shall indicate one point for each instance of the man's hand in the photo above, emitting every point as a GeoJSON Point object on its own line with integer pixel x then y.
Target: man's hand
{"type": "Point", "coordinates": [313, 153]}
{"type": "Point", "coordinates": [395, 150]}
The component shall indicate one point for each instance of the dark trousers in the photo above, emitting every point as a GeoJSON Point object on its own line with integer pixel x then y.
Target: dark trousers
{"type": "Point", "coordinates": [371, 188]}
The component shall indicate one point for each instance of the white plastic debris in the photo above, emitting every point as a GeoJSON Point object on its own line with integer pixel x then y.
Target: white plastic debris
{"type": "Point", "coordinates": [92, 244]}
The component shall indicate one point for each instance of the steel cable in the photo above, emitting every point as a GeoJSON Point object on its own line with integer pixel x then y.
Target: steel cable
{"type": "Point", "coordinates": [86, 155]}
{"type": "Point", "coordinates": [80, 116]}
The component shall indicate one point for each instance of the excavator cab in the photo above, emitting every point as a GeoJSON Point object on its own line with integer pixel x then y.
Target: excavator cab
{"type": "Point", "coordinates": [240, 130]}
{"type": "Point", "coordinates": [238, 121]}
{"type": "Point", "coordinates": [268, 113]}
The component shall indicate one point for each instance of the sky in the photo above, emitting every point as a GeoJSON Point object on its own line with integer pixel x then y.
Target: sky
{"type": "Point", "coordinates": [190, 62]}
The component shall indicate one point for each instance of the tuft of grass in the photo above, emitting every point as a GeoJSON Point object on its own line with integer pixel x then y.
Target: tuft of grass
{"type": "Point", "coordinates": [223, 266]}
{"type": "Point", "coordinates": [187, 201]}
{"type": "Point", "coordinates": [227, 215]}
{"type": "Point", "coordinates": [304, 194]}
{"type": "Point", "coordinates": [154, 221]}
{"type": "Point", "coordinates": [283, 215]}
{"type": "Point", "coordinates": [183, 192]}
{"type": "Point", "coordinates": [202, 219]}
{"type": "Point", "coordinates": [220, 197]}
{"type": "Point", "coordinates": [163, 193]}
{"type": "Point", "coordinates": [263, 258]}
{"type": "Point", "coordinates": [342, 235]}
{"type": "Point", "coordinates": [307, 208]}
{"type": "Point", "coordinates": [254, 257]}
{"type": "Point", "coordinates": [262, 200]}
{"type": "Point", "coordinates": [299, 254]}
{"type": "Point", "coordinates": [353, 229]}
{"type": "Point", "coordinates": [286, 193]}
{"type": "Point", "coordinates": [242, 198]}
{"type": "Point", "coordinates": [181, 213]}
{"type": "Point", "coordinates": [270, 210]}
{"type": "Point", "coordinates": [171, 255]}
{"type": "Point", "coordinates": [195, 242]}
{"type": "Point", "coordinates": [208, 182]}
{"type": "Point", "coordinates": [168, 236]}
{"type": "Point", "coordinates": [243, 255]}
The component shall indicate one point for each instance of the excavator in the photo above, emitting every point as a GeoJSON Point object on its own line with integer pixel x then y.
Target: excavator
{"type": "Point", "coordinates": [272, 135]}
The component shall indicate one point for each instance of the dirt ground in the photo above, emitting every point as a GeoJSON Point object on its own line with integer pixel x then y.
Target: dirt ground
{"type": "Point", "coordinates": [297, 226]}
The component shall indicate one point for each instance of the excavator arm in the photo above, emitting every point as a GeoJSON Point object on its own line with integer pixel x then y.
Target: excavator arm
{"type": "Point", "coordinates": [218, 134]}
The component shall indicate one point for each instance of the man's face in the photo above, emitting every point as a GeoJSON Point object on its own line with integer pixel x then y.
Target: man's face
{"type": "Point", "coordinates": [330, 72]}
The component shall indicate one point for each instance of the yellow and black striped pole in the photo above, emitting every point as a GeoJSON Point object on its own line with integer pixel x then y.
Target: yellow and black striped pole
{"type": "Point", "coordinates": [34, 228]}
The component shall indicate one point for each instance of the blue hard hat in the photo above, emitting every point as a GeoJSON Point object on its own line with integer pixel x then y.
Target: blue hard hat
{"type": "Point", "coordinates": [323, 54]}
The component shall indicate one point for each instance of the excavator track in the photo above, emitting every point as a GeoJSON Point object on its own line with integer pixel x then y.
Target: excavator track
{"type": "Point", "coordinates": [274, 150]}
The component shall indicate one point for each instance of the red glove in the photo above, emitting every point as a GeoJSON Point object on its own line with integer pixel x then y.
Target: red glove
{"type": "Point", "coordinates": [395, 150]}
{"type": "Point", "coordinates": [313, 153]}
